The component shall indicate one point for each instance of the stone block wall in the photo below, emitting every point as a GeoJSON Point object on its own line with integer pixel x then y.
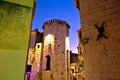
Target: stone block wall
{"type": "Point", "coordinates": [34, 59]}
{"type": "Point", "coordinates": [55, 33]}
{"type": "Point", "coordinates": [15, 23]}
{"type": "Point", "coordinates": [46, 75]}
{"type": "Point", "coordinates": [101, 56]}
{"type": "Point", "coordinates": [36, 63]}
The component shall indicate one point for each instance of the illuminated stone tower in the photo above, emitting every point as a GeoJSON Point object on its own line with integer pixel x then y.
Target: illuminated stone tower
{"type": "Point", "coordinates": [56, 56]}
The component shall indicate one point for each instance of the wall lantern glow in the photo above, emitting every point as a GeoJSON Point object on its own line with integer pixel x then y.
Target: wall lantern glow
{"type": "Point", "coordinates": [49, 38]}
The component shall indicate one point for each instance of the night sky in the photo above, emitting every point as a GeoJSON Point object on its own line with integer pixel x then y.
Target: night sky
{"type": "Point", "coordinates": [58, 9]}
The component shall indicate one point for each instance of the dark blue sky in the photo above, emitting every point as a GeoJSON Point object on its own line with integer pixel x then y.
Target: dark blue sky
{"type": "Point", "coordinates": [58, 9]}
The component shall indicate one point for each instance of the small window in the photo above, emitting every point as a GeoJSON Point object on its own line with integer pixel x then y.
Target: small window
{"type": "Point", "coordinates": [38, 46]}
{"type": "Point", "coordinates": [58, 45]}
{"type": "Point", "coordinates": [29, 68]}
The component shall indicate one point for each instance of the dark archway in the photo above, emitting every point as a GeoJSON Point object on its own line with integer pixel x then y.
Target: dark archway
{"type": "Point", "coordinates": [48, 62]}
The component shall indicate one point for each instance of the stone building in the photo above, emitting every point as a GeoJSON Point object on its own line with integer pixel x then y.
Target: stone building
{"type": "Point", "coordinates": [73, 65]}
{"type": "Point", "coordinates": [77, 66]}
{"type": "Point", "coordinates": [100, 25]}
{"type": "Point", "coordinates": [81, 55]}
{"type": "Point", "coordinates": [35, 37]}
{"type": "Point", "coordinates": [73, 57]}
{"type": "Point", "coordinates": [35, 48]}
{"type": "Point", "coordinates": [53, 51]}
{"type": "Point", "coordinates": [56, 46]}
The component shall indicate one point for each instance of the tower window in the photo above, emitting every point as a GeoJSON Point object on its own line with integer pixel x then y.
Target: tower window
{"type": "Point", "coordinates": [58, 45]}
{"type": "Point", "coordinates": [38, 46]}
{"type": "Point", "coordinates": [29, 68]}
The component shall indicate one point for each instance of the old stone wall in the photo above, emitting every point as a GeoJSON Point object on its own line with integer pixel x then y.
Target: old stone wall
{"type": "Point", "coordinates": [102, 47]}
{"type": "Point", "coordinates": [55, 33]}
{"type": "Point", "coordinates": [36, 62]}
{"type": "Point", "coordinates": [35, 37]}
{"type": "Point", "coordinates": [34, 54]}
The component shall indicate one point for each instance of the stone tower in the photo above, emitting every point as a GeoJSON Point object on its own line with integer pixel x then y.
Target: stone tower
{"type": "Point", "coordinates": [56, 56]}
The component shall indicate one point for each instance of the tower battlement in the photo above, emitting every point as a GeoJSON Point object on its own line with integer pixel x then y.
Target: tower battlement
{"type": "Point", "coordinates": [55, 21]}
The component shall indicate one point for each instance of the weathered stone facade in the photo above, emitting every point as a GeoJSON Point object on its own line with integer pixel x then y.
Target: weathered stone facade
{"type": "Point", "coordinates": [34, 54]}
{"type": "Point", "coordinates": [81, 56]}
{"type": "Point", "coordinates": [52, 56]}
{"type": "Point", "coordinates": [100, 25]}
{"type": "Point", "coordinates": [36, 61]}
{"type": "Point", "coordinates": [35, 37]}
{"type": "Point", "coordinates": [56, 45]}
{"type": "Point", "coordinates": [77, 66]}
{"type": "Point", "coordinates": [73, 65]}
